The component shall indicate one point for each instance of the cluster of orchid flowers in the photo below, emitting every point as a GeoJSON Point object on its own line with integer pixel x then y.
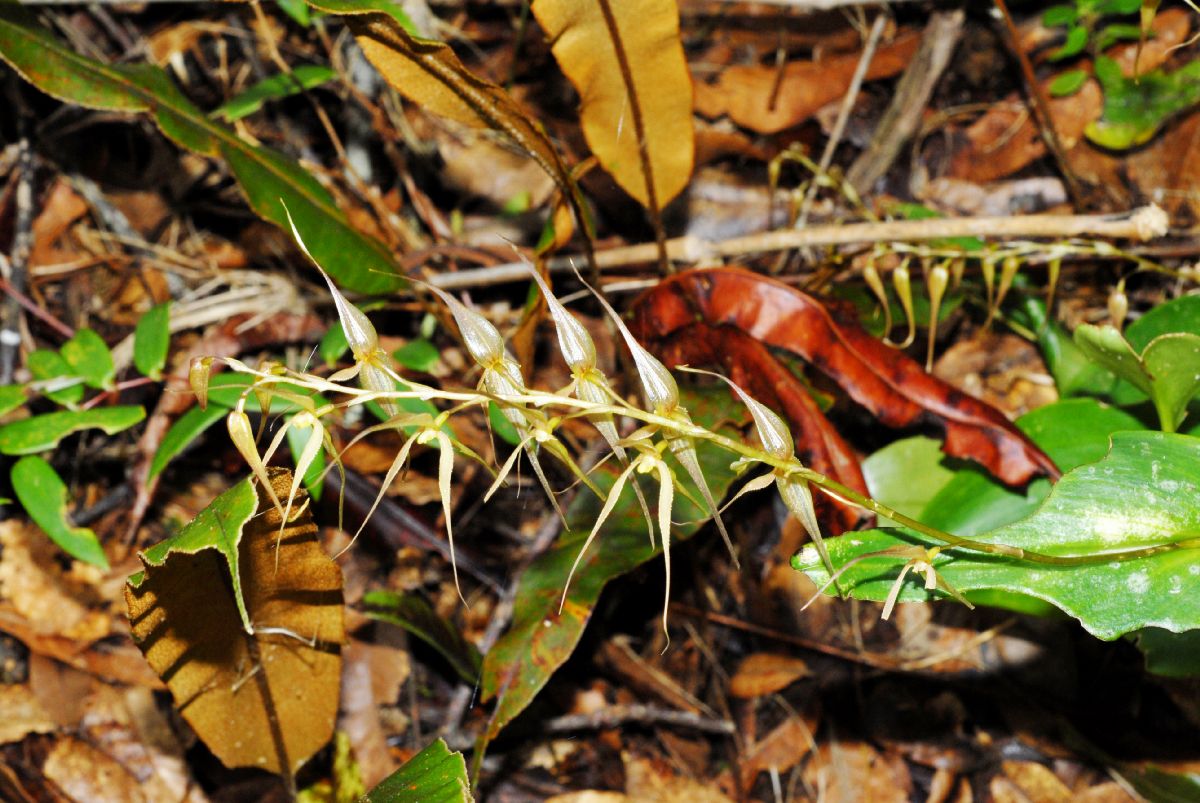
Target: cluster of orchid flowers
{"type": "Point", "coordinates": [665, 423]}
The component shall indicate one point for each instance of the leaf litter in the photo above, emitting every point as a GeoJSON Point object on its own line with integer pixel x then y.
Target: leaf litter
{"type": "Point", "coordinates": [748, 681]}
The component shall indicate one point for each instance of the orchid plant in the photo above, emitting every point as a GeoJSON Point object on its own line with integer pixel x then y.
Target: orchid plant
{"type": "Point", "coordinates": [664, 429]}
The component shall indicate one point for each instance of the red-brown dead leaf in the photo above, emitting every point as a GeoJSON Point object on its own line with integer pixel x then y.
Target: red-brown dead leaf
{"type": "Point", "coordinates": [745, 92]}
{"type": "Point", "coordinates": [748, 362]}
{"type": "Point", "coordinates": [62, 207]}
{"type": "Point", "coordinates": [889, 384]}
{"type": "Point", "coordinates": [765, 673]}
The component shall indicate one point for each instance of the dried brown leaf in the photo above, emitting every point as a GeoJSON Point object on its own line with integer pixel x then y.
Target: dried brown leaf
{"type": "Point", "coordinates": [267, 699]}
{"type": "Point", "coordinates": [764, 673]}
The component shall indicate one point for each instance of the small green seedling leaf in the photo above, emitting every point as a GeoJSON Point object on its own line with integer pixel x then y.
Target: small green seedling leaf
{"type": "Point", "coordinates": [1068, 83]}
{"type": "Point", "coordinates": [415, 615]}
{"type": "Point", "coordinates": [44, 496]}
{"type": "Point", "coordinates": [1143, 494]}
{"type": "Point", "coordinates": [276, 87]}
{"type": "Point", "coordinates": [1167, 370]}
{"type": "Point", "coordinates": [90, 358]}
{"type": "Point", "coordinates": [12, 397]}
{"type": "Point", "coordinates": [1135, 108]}
{"type": "Point", "coordinates": [1077, 38]}
{"type": "Point", "coordinates": [61, 383]}
{"type": "Point", "coordinates": [298, 10]}
{"type": "Point", "coordinates": [43, 432]}
{"type": "Point", "coordinates": [151, 339]}
{"type": "Point", "coordinates": [435, 775]}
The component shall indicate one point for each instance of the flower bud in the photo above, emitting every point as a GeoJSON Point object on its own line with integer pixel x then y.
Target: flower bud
{"type": "Point", "coordinates": [482, 339]}
{"type": "Point", "coordinates": [242, 435]}
{"type": "Point", "coordinates": [1118, 305]}
{"type": "Point", "coordinates": [574, 342]}
{"type": "Point", "coordinates": [199, 373]}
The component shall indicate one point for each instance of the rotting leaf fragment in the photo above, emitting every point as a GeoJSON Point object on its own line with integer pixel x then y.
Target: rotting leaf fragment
{"type": "Point", "coordinates": [261, 696]}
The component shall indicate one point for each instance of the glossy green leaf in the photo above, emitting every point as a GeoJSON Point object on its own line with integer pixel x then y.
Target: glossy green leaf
{"type": "Point", "coordinates": [907, 474]}
{"type": "Point", "coordinates": [417, 355]}
{"type": "Point", "coordinates": [1109, 35]}
{"type": "Point", "coordinates": [12, 397]}
{"type": "Point", "coordinates": [1068, 83]}
{"type": "Point", "coordinates": [268, 179]}
{"type": "Point", "coordinates": [1135, 108]}
{"type": "Point", "coordinates": [1074, 374]}
{"type": "Point", "coordinates": [1145, 492]}
{"type": "Point", "coordinates": [44, 497]}
{"type": "Point", "coordinates": [40, 433]}
{"type": "Point", "coordinates": [219, 526]}
{"type": "Point", "coordinates": [151, 338]}
{"type": "Point", "coordinates": [296, 9]}
{"type": "Point", "coordinates": [1167, 370]}
{"type": "Point", "coordinates": [282, 85]}
{"type": "Point", "coordinates": [1072, 432]}
{"type": "Point", "coordinates": [541, 638]}
{"type": "Point", "coordinates": [415, 615]}
{"type": "Point", "coordinates": [435, 775]}
{"type": "Point", "coordinates": [90, 358]}
{"type": "Point", "coordinates": [62, 385]}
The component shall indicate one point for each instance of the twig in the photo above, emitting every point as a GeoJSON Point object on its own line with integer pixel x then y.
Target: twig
{"type": "Point", "coordinates": [839, 125]}
{"type": "Point", "coordinates": [1041, 106]}
{"type": "Point", "coordinates": [17, 274]}
{"type": "Point", "coordinates": [635, 713]}
{"type": "Point", "coordinates": [1141, 224]}
{"type": "Point", "coordinates": [903, 115]}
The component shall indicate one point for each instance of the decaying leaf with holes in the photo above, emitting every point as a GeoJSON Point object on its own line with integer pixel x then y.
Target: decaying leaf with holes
{"type": "Point", "coordinates": [248, 644]}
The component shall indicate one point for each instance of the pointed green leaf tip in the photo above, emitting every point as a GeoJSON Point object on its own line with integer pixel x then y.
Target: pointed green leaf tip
{"type": "Point", "coordinates": [435, 775]}
{"type": "Point", "coordinates": [218, 526]}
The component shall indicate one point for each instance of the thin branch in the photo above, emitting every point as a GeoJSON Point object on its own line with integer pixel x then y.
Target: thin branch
{"type": "Point", "coordinates": [1141, 224]}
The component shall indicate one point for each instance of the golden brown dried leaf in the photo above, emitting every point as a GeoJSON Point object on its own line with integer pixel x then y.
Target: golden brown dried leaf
{"type": "Point", "coordinates": [265, 700]}
{"type": "Point", "coordinates": [765, 673]}
{"type": "Point", "coordinates": [626, 60]}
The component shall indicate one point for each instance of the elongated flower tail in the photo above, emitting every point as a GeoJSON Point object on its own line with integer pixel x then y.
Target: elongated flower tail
{"type": "Point", "coordinates": [684, 450]}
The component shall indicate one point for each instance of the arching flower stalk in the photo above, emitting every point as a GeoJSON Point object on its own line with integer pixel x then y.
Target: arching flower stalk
{"type": "Point", "coordinates": [589, 383]}
{"type": "Point", "coordinates": [502, 378]}
{"type": "Point", "coordinates": [662, 397]}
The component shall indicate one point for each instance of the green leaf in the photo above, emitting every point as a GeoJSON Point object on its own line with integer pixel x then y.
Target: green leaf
{"type": "Point", "coordinates": [1167, 370]}
{"type": "Point", "coordinates": [90, 358]}
{"type": "Point", "coordinates": [417, 355]}
{"type": "Point", "coordinates": [1068, 83]}
{"type": "Point", "coordinates": [48, 366]}
{"type": "Point", "coordinates": [907, 474]}
{"type": "Point", "coordinates": [501, 426]}
{"type": "Point", "coordinates": [1174, 655]}
{"type": "Point", "coordinates": [1071, 432]}
{"type": "Point", "coordinates": [151, 339]}
{"type": "Point", "coordinates": [1077, 38]}
{"type": "Point", "coordinates": [268, 179]}
{"type": "Point", "coordinates": [435, 775]}
{"type": "Point", "coordinates": [12, 397]}
{"type": "Point", "coordinates": [1117, 32]}
{"type": "Point", "coordinates": [218, 526]}
{"type": "Point", "coordinates": [415, 615]}
{"type": "Point", "coordinates": [224, 390]}
{"type": "Point", "coordinates": [282, 85]}
{"type": "Point", "coordinates": [541, 637]}
{"type": "Point", "coordinates": [333, 345]}
{"type": "Point", "coordinates": [1055, 16]}
{"type": "Point", "coordinates": [297, 438]}
{"type": "Point", "coordinates": [1143, 493]}
{"type": "Point", "coordinates": [1074, 374]}
{"type": "Point", "coordinates": [296, 9]}
{"type": "Point", "coordinates": [44, 497]}
{"type": "Point", "coordinates": [1135, 108]}
{"type": "Point", "coordinates": [42, 432]}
